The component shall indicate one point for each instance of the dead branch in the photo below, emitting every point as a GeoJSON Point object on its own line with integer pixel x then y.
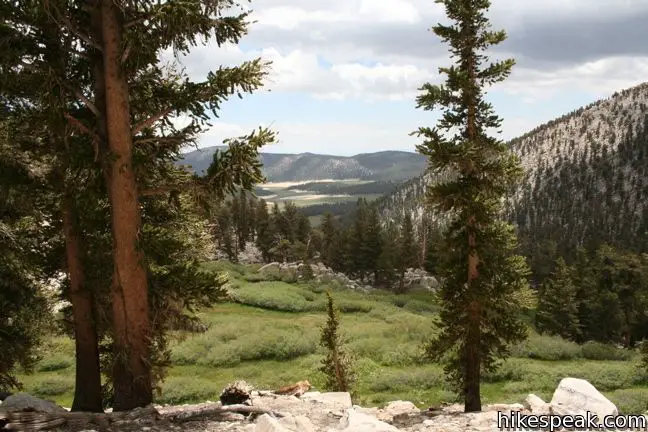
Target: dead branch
{"type": "Point", "coordinates": [149, 121]}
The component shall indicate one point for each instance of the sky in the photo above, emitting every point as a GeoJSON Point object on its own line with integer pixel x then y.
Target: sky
{"type": "Point", "coordinates": [345, 73]}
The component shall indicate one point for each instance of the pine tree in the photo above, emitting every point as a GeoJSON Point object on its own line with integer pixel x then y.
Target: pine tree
{"type": "Point", "coordinates": [482, 279]}
{"type": "Point", "coordinates": [337, 366]}
{"type": "Point", "coordinates": [387, 260]}
{"type": "Point", "coordinates": [25, 310]}
{"type": "Point", "coordinates": [265, 230]}
{"type": "Point", "coordinates": [557, 311]}
{"type": "Point", "coordinates": [329, 232]}
{"type": "Point", "coordinates": [372, 242]}
{"type": "Point", "coordinates": [226, 233]}
{"type": "Point", "coordinates": [356, 252]}
{"type": "Point", "coordinates": [113, 51]}
{"type": "Point", "coordinates": [406, 255]}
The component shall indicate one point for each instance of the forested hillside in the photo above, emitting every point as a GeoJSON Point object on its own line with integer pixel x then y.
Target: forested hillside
{"type": "Point", "coordinates": [586, 180]}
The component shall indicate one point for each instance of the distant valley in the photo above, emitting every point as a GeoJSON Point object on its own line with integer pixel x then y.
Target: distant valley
{"type": "Point", "coordinates": [322, 182]}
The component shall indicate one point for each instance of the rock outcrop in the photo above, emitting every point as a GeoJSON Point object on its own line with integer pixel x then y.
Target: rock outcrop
{"type": "Point", "coordinates": [323, 274]}
{"type": "Point", "coordinates": [334, 412]}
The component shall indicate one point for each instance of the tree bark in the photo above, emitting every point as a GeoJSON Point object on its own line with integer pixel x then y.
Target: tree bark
{"type": "Point", "coordinates": [131, 322]}
{"type": "Point", "coordinates": [87, 390]}
{"type": "Point", "coordinates": [473, 354]}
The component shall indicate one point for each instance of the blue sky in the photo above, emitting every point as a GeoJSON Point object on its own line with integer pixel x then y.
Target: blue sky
{"type": "Point", "coordinates": [345, 73]}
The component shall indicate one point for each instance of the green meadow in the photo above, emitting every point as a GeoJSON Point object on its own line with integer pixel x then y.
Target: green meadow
{"type": "Point", "coordinates": [268, 335]}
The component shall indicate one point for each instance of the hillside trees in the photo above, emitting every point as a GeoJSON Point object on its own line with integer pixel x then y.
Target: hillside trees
{"type": "Point", "coordinates": [482, 277]}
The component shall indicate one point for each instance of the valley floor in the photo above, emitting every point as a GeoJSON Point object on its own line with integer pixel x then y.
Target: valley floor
{"type": "Point", "coordinates": [269, 337]}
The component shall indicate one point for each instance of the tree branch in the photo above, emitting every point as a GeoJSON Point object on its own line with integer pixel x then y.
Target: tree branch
{"type": "Point", "coordinates": [167, 188]}
{"type": "Point", "coordinates": [78, 125]}
{"type": "Point", "coordinates": [149, 121]}
{"type": "Point", "coordinates": [87, 102]}
{"type": "Point", "coordinates": [64, 21]}
{"type": "Point", "coordinates": [171, 139]}
{"type": "Point", "coordinates": [126, 53]}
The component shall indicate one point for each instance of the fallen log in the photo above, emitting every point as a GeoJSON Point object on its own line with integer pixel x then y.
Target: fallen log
{"type": "Point", "coordinates": [208, 410]}
{"type": "Point", "coordinates": [37, 421]}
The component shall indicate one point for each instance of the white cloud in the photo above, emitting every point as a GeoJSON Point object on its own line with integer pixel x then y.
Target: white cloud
{"type": "Point", "coordinates": [326, 138]}
{"type": "Point", "coordinates": [600, 78]}
{"type": "Point", "coordinates": [380, 50]}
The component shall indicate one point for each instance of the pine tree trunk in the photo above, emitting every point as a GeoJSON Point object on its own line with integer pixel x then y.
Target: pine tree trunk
{"type": "Point", "coordinates": [87, 389]}
{"type": "Point", "coordinates": [132, 370]}
{"type": "Point", "coordinates": [472, 396]}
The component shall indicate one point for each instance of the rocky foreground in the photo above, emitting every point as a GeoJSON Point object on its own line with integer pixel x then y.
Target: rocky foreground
{"type": "Point", "coordinates": [312, 412]}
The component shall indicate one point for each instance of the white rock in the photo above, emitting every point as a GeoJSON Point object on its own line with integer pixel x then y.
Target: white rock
{"type": "Point", "coordinates": [577, 396]}
{"type": "Point", "coordinates": [337, 399]}
{"type": "Point", "coordinates": [504, 407]}
{"type": "Point", "coordinates": [536, 405]}
{"type": "Point", "coordinates": [265, 423]}
{"type": "Point", "coordinates": [297, 424]}
{"type": "Point", "coordinates": [399, 406]}
{"type": "Point", "coordinates": [354, 421]}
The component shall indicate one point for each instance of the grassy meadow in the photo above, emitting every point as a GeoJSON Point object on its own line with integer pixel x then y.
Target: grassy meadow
{"type": "Point", "coordinates": [268, 335]}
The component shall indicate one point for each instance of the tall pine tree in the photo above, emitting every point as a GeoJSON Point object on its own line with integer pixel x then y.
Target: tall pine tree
{"type": "Point", "coordinates": [482, 279]}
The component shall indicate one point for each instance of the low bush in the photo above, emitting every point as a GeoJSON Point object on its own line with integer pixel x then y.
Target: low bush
{"type": "Point", "coordinates": [544, 347]}
{"type": "Point", "coordinates": [600, 351]}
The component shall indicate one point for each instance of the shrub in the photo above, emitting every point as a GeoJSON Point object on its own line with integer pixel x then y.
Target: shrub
{"type": "Point", "coordinates": [256, 277]}
{"type": "Point", "coordinates": [600, 351]}
{"type": "Point", "coordinates": [53, 386]}
{"type": "Point", "coordinates": [630, 401]}
{"type": "Point", "coordinates": [177, 390]}
{"type": "Point", "coordinates": [54, 362]}
{"type": "Point", "coordinates": [544, 347]}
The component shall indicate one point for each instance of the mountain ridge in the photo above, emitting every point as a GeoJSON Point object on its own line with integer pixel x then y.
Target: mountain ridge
{"type": "Point", "coordinates": [386, 165]}
{"type": "Point", "coordinates": [585, 182]}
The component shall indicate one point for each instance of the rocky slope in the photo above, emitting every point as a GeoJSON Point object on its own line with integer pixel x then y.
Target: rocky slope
{"type": "Point", "coordinates": [311, 412]}
{"type": "Point", "coordinates": [586, 177]}
{"type": "Point", "coordinates": [379, 166]}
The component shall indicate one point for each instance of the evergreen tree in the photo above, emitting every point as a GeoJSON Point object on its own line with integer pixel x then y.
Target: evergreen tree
{"type": "Point", "coordinates": [356, 240]}
{"type": "Point", "coordinates": [329, 233]}
{"type": "Point", "coordinates": [337, 366]}
{"type": "Point", "coordinates": [371, 248]}
{"type": "Point", "coordinates": [406, 251]}
{"type": "Point", "coordinates": [557, 311]}
{"type": "Point", "coordinates": [340, 255]}
{"type": "Point", "coordinates": [482, 279]}
{"type": "Point", "coordinates": [226, 234]}
{"type": "Point", "coordinates": [433, 251]}
{"type": "Point", "coordinates": [265, 230]}
{"type": "Point", "coordinates": [113, 52]}
{"type": "Point", "coordinates": [25, 310]}
{"type": "Point", "coordinates": [387, 259]}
